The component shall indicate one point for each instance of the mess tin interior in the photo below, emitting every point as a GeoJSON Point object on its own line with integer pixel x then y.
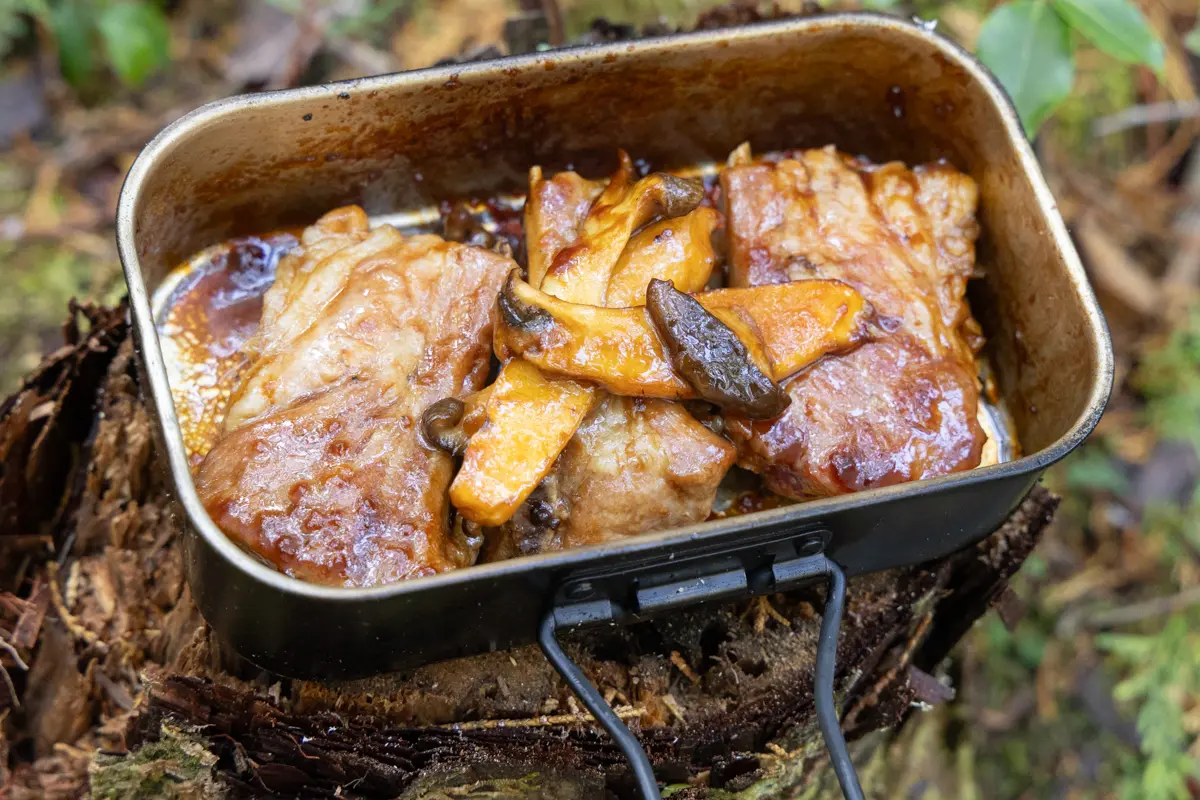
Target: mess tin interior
{"type": "Point", "coordinates": [873, 85]}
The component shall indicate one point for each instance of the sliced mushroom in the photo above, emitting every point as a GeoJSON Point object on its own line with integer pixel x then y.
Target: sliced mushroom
{"type": "Point", "coordinates": [449, 423]}
{"type": "Point", "coordinates": [784, 328]}
{"type": "Point", "coordinates": [614, 347]}
{"type": "Point", "coordinates": [713, 359]}
{"type": "Point", "coordinates": [460, 225]}
{"type": "Point", "coordinates": [440, 427]}
{"type": "Point", "coordinates": [580, 273]}
{"type": "Point", "coordinates": [679, 250]}
{"type": "Point", "coordinates": [529, 420]}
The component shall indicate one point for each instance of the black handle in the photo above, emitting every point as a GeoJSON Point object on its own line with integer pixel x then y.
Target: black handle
{"type": "Point", "coordinates": [643, 772]}
{"type": "Point", "coordinates": [827, 715]}
{"type": "Point", "coordinates": [805, 568]}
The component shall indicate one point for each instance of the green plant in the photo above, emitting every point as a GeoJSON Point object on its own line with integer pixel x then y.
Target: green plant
{"type": "Point", "coordinates": [1092, 469]}
{"type": "Point", "coordinates": [1169, 378]}
{"type": "Point", "coordinates": [13, 16]}
{"type": "Point", "coordinates": [1165, 671]}
{"type": "Point", "coordinates": [1193, 40]}
{"type": "Point", "coordinates": [1162, 669]}
{"type": "Point", "coordinates": [369, 21]}
{"type": "Point", "coordinates": [1175, 530]}
{"type": "Point", "coordinates": [131, 37]}
{"type": "Point", "coordinates": [1029, 45]}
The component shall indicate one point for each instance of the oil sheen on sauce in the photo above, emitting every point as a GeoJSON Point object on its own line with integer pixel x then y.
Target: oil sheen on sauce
{"type": "Point", "coordinates": [211, 309]}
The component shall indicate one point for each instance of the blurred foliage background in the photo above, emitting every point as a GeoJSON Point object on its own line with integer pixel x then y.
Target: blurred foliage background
{"type": "Point", "coordinates": [1087, 683]}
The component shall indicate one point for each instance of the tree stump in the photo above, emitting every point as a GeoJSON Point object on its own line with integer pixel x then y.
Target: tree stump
{"type": "Point", "coordinates": [115, 682]}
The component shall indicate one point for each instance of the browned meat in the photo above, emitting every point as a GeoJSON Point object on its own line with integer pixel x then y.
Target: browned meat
{"type": "Point", "coordinates": [321, 470]}
{"type": "Point", "coordinates": [905, 406]}
{"type": "Point", "coordinates": [633, 466]}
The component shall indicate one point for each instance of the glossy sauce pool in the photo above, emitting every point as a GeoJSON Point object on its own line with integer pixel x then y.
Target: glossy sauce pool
{"type": "Point", "coordinates": [205, 312]}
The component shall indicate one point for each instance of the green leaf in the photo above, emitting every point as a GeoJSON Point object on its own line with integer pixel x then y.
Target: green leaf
{"type": "Point", "coordinates": [1128, 646]}
{"type": "Point", "coordinates": [1028, 47]}
{"type": "Point", "coordinates": [137, 39]}
{"type": "Point", "coordinates": [12, 20]}
{"type": "Point", "coordinates": [12, 28]}
{"type": "Point", "coordinates": [1192, 41]}
{"type": "Point", "coordinates": [1029, 644]}
{"type": "Point", "coordinates": [1035, 567]}
{"type": "Point", "coordinates": [1093, 470]}
{"type": "Point", "coordinates": [73, 28]}
{"type": "Point", "coordinates": [1117, 27]}
{"type": "Point", "coordinates": [1161, 781]}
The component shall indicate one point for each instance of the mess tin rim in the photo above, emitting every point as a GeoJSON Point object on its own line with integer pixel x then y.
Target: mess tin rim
{"type": "Point", "coordinates": [646, 544]}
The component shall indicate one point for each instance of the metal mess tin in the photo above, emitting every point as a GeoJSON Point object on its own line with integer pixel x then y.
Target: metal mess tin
{"type": "Point", "coordinates": [400, 144]}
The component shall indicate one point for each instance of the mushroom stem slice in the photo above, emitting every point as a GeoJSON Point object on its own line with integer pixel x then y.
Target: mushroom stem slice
{"type": "Point", "coordinates": [679, 250]}
{"type": "Point", "coordinates": [580, 272]}
{"type": "Point", "coordinates": [529, 418]}
{"type": "Point", "coordinates": [449, 423]}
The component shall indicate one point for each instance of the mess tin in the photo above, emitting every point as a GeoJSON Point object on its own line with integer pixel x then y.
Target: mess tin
{"type": "Point", "coordinates": [873, 85]}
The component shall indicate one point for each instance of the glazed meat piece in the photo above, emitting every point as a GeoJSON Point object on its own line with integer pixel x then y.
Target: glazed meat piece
{"type": "Point", "coordinates": [903, 407]}
{"type": "Point", "coordinates": [321, 469]}
{"type": "Point", "coordinates": [555, 212]}
{"type": "Point", "coordinates": [633, 466]}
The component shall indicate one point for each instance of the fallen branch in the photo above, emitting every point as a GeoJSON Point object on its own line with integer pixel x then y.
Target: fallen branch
{"type": "Point", "coordinates": [1132, 613]}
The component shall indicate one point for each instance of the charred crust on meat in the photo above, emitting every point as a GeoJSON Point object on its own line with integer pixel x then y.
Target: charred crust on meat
{"type": "Point", "coordinates": [709, 356]}
{"type": "Point", "coordinates": [517, 313]}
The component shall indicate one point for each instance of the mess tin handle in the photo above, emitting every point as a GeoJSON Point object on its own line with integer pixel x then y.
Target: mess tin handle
{"type": "Point", "coordinates": [581, 606]}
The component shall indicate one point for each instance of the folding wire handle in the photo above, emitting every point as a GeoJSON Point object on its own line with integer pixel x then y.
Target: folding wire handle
{"type": "Point", "coordinates": [591, 698]}
{"type": "Point", "coordinates": [826, 707]}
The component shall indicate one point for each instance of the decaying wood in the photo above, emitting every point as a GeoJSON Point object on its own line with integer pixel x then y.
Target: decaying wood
{"type": "Point", "coordinates": [112, 669]}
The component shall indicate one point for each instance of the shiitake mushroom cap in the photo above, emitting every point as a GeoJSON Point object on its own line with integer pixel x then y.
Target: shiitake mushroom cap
{"type": "Point", "coordinates": [710, 357]}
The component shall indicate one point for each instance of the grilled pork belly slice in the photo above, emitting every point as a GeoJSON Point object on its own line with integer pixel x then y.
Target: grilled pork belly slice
{"type": "Point", "coordinates": [900, 408]}
{"type": "Point", "coordinates": [321, 469]}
